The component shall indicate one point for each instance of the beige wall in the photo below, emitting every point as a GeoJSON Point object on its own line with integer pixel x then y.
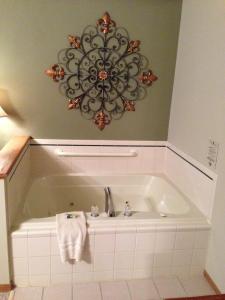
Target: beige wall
{"type": "Point", "coordinates": [198, 105]}
{"type": "Point", "coordinates": [31, 34]}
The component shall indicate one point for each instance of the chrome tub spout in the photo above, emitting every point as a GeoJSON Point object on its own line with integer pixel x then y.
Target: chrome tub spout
{"type": "Point", "coordinates": [109, 208]}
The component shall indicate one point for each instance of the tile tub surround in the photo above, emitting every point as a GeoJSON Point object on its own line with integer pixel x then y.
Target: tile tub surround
{"type": "Point", "coordinates": [192, 178]}
{"type": "Point", "coordinates": [40, 159]}
{"type": "Point", "coordinates": [11, 160]}
{"type": "Point", "coordinates": [198, 183]}
{"type": "Point", "coordinates": [138, 252]}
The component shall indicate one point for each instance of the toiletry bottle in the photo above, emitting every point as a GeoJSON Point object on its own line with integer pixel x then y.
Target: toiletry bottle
{"type": "Point", "coordinates": [127, 209]}
{"type": "Point", "coordinates": [94, 211]}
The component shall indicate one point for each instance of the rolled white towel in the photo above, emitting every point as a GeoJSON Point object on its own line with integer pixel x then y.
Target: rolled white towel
{"type": "Point", "coordinates": [71, 234]}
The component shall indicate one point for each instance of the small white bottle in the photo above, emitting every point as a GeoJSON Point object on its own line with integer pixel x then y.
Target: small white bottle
{"type": "Point", "coordinates": [94, 211]}
{"type": "Point", "coordinates": [127, 210]}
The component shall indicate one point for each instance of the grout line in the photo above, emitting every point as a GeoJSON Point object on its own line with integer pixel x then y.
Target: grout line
{"type": "Point", "coordinates": [114, 255]}
{"type": "Point", "coordinates": [129, 291]}
{"type": "Point", "coordinates": [134, 254]}
{"type": "Point", "coordinates": [99, 285]}
{"type": "Point", "coordinates": [187, 161]}
{"type": "Point", "coordinates": [42, 294]}
{"type": "Point", "coordinates": [71, 291]}
{"type": "Point", "coordinates": [155, 285]}
{"type": "Point", "coordinates": [17, 164]}
{"type": "Point", "coordinates": [97, 145]}
{"type": "Point", "coordinates": [50, 263]}
{"type": "Point", "coordinates": [27, 257]}
{"type": "Point", "coordinates": [182, 285]}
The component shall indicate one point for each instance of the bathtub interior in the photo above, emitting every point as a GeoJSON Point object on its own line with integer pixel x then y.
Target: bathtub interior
{"type": "Point", "coordinates": [149, 196]}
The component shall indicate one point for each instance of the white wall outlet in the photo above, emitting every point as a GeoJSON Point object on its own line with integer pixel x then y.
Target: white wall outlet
{"type": "Point", "coordinates": [212, 153]}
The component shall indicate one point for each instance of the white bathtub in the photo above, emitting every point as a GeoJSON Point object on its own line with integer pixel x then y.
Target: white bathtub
{"type": "Point", "coordinates": [153, 198]}
{"type": "Point", "coordinates": [140, 246]}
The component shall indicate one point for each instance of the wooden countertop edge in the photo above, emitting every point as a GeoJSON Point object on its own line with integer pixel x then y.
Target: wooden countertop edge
{"type": "Point", "coordinates": [10, 153]}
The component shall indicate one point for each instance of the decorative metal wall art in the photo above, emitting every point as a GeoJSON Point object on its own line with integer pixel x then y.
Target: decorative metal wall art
{"type": "Point", "coordinates": [102, 72]}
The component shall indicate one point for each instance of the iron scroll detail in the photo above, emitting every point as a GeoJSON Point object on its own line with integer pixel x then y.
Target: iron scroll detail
{"type": "Point", "coordinates": [102, 73]}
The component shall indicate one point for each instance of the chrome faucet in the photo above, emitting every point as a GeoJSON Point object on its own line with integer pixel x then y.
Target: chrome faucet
{"type": "Point", "coordinates": [109, 209]}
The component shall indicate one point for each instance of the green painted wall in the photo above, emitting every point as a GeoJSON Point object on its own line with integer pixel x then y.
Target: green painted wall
{"type": "Point", "coordinates": [31, 34]}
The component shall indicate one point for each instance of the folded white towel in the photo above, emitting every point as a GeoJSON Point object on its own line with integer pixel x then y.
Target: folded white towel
{"type": "Point", "coordinates": [71, 234]}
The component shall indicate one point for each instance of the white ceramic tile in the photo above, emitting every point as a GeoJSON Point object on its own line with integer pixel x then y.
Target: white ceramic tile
{"type": "Point", "coordinates": [196, 271]}
{"type": "Point", "coordinates": [83, 277]}
{"type": "Point", "coordinates": [39, 246]}
{"type": "Point", "coordinates": [115, 290]}
{"type": "Point", "coordinates": [164, 241]}
{"type": "Point", "coordinates": [21, 281]}
{"type": "Point", "coordinates": [103, 276]}
{"type": "Point", "coordinates": [85, 265]}
{"type": "Point", "coordinates": [5, 296]}
{"type": "Point", "coordinates": [85, 164]}
{"type": "Point", "coordinates": [161, 272]}
{"type": "Point", "coordinates": [57, 267]}
{"type": "Point", "coordinates": [39, 265]}
{"type": "Point", "coordinates": [20, 233]}
{"type": "Point", "coordinates": [145, 241]}
{"type": "Point", "coordinates": [134, 163]}
{"type": "Point", "coordinates": [150, 228]}
{"type": "Point", "coordinates": [169, 287]}
{"type": "Point", "coordinates": [201, 239]}
{"type": "Point", "coordinates": [39, 280]}
{"type": "Point", "coordinates": [199, 257]}
{"type": "Point", "coordinates": [54, 246]}
{"type": "Point", "coordinates": [103, 261]}
{"type": "Point", "coordinates": [159, 159]}
{"type": "Point", "coordinates": [142, 289]}
{"type": "Point", "coordinates": [193, 183]}
{"type": "Point", "coordinates": [182, 258]}
{"type": "Point", "coordinates": [123, 274]}
{"type": "Point", "coordinates": [181, 271]}
{"type": "Point", "coordinates": [45, 162]}
{"type": "Point", "coordinates": [163, 259]}
{"type": "Point", "coordinates": [17, 185]}
{"type": "Point", "coordinates": [89, 243]}
{"type": "Point", "coordinates": [61, 278]}
{"type": "Point", "coordinates": [147, 160]}
{"type": "Point", "coordinates": [86, 291]}
{"type": "Point", "coordinates": [34, 293]}
{"type": "Point", "coordinates": [38, 233]}
{"type": "Point", "coordinates": [162, 227]}
{"type": "Point", "coordinates": [143, 260]}
{"type": "Point", "coordinates": [19, 247]}
{"type": "Point", "coordinates": [105, 242]}
{"type": "Point", "coordinates": [124, 260]}
{"type": "Point", "coordinates": [113, 164]}
{"type": "Point", "coordinates": [58, 292]}
{"type": "Point", "coordinates": [20, 266]}
{"type": "Point", "coordinates": [196, 286]}
{"type": "Point", "coordinates": [185, 240]}
{"type": "Point", "coordinates": [125, 241]}
{"type": "Point", "coordinates": [142, 273]}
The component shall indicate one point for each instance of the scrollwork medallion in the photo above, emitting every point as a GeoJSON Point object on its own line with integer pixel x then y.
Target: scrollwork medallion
{"type": "Point", "coordinates": [102, 73]}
